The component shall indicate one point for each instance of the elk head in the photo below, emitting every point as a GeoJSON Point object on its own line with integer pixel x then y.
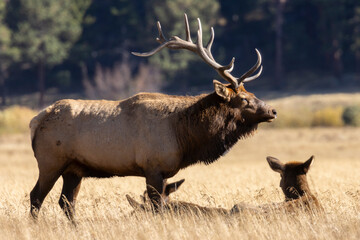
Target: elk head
{"type": "Point", "coordinates": [293, 176]}
{"type": "Point", "coordinates": [234, 93]}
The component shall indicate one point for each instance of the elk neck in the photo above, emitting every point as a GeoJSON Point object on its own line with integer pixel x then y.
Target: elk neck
{"type": "Point", "coordinates": [208, 128]}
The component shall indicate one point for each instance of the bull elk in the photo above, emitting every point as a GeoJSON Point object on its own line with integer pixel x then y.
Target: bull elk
{"type": "Point", "coordinates": [151, 135]}
{"type": "Point", "coordinates": [293, 184]}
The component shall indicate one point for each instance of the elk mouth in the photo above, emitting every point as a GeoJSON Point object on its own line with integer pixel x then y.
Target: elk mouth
{"type": "Point", "coordinates": [270, 118]}
{"type": "Point", "coordinates": [266, 118]}
{"type": "Point", "coordinates": [272, 114]}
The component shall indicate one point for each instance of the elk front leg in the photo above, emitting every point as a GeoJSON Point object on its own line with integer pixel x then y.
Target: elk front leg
{"type": "Point", "coordinates": [155, 186]}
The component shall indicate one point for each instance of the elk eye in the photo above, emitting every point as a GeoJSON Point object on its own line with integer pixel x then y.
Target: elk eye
{"type": "Point", "coordinates": [245, 101]}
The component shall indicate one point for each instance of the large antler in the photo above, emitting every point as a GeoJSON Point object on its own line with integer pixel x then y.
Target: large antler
{"type": "Point", "coordinates": [205, 53]}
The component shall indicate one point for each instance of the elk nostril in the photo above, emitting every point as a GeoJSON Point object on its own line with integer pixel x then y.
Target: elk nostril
{"type": "Point", "coordinates": [274, 112]}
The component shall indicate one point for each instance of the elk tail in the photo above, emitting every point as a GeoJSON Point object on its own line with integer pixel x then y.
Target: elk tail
{"type": "Point", "coordinates": [34, 123]}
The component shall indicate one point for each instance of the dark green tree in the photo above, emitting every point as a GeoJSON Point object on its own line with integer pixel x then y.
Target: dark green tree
{"type": "Point", "coordinates": [44, 30]}
{"type": "Point", "coordinates": [112, 29]}
{"type": "Point", "coordinates": [279, 67]}
{"type": "Point", "coordinates": [355, 39]}
{"type": "Point", "coordinates": [8, 53]}
{"type": "Point", "coordinates": [317, 40]}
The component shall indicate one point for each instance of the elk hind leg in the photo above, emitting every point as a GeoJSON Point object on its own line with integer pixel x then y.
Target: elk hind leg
{"type": "Point", "coordinates": [43, 186]}
{"type": "Point", "coordinates": [70, 190]}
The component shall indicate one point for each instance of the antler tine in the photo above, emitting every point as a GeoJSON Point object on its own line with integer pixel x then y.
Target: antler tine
{"type": "Point", "coordinates": [148, 54]}
{"type": "Point", "coordinates": [246, 76]}
{"type": "Point", "coordinates": [248, 79]}
{"type": "Point", "coordinates": [209, 45]}
{"type": "Point", "coordinates": [223, 71]}
{"type": "Point", "coordinates": [205, 53]}
{"type": "Point", "coordinates": [230, 66]}
{"type": "Point", "coordinates": [187, 28]}
{"type": "Point", "coordinates": [201, 49]}
{"type": "Point", "coordinates": [199, 32]}
{"type": "Point", "coordinates": [161, 37]}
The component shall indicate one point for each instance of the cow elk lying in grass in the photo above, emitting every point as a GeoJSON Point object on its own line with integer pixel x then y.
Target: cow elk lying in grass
{"type": "Point", "coordinates": [293, 184]}
{"type": "Point", "coordinates": [177, 207]}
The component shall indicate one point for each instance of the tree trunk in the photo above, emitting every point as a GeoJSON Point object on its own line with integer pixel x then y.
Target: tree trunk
{"type": "Point", "coordinates": [41, 83]}
{"type": "Point", "coordinates": [357, 64]}
{"type": "Point", "coordinates": [337, 59]}
{"type": "Point", "coordinates": [279, 69]}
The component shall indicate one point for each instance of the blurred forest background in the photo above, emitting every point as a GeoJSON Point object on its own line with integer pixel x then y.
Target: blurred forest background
{"type": "Point", "coordinates": [83, 47]}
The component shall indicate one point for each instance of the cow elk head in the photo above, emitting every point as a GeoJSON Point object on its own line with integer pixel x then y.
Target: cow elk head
{"type": "Point", "coordinates": [293, 177]}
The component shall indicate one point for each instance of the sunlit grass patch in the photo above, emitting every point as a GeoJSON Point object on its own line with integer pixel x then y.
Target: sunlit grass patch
{"type": "Point", "coordinates": [15, 119]}
{"type": "Point", "coordinates": [328, 117]}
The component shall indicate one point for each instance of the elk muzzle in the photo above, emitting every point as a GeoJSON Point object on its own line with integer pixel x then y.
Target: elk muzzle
{"type": "Point", "coordinates": [272, 114]}
{"type": "Point", "coordinates": [264, 112]}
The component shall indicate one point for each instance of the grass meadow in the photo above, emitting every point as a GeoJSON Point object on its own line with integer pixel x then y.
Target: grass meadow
{"type": "Point", "coordinates": [242, 175]}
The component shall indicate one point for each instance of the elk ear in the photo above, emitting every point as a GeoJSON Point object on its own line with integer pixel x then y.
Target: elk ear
{"type": "Point", "coordinates": [143, 197]}
{"type": "Point", "coordinates": [275, 164]}
{"type": "Point", "coordinates": [172, 187]}
{"type": "Point", "coordinates": [132, 202]}
{"type": "Point", "coordinates": [306, 165]}
{"type": "Point", "coordinates": [221, 90]}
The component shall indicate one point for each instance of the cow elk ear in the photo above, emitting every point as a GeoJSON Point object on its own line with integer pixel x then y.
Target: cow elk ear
{"type": "Point", "coordinates": [172, 187]}
{"type": "Point", "coordinates": [275, 164]}
{"type": "Point", "coordinates": [222, 91]}
{"type": "Point", "coordinates": [143, 197]}
{"type": "Point", "coordinates": [133, 202]}
{"type": "Point", "coordinates": [306, 165]}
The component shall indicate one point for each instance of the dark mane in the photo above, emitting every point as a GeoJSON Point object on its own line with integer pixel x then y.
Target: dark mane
{"type": "Point", "coordinates": [209, 128]}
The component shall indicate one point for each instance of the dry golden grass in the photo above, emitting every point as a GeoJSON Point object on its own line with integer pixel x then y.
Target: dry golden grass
{"type": "Point", "coordinates": [241, 176]}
